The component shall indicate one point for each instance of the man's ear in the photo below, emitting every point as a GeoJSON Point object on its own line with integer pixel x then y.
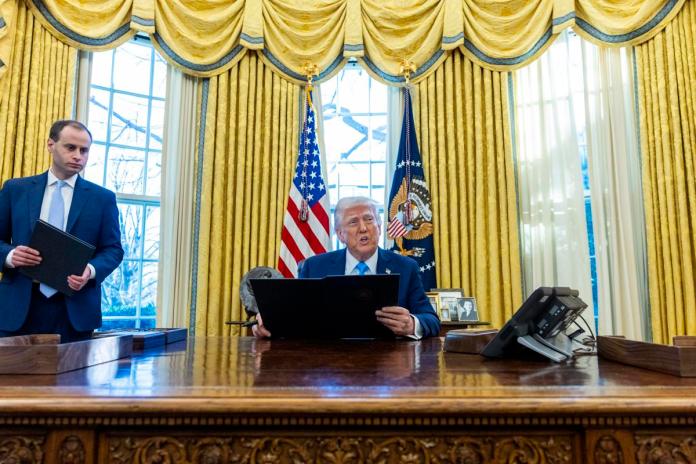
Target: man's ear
{"type": "Point", "coordinates": [340, 235]}
{"type": "Point", "coordinates": [50, 143]}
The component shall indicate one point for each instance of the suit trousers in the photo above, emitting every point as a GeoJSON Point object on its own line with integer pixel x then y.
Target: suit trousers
{"type": "Point", "coordinates": [48, 316]}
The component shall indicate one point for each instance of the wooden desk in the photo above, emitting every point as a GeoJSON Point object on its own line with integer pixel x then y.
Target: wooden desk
{"type": "Point", "coordinates": [223, 400]}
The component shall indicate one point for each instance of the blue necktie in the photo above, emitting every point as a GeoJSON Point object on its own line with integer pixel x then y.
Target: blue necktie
{"type": "Point", "coordinates": [362, 268]}
{"type": "Point", "coordinates": [56, 217]}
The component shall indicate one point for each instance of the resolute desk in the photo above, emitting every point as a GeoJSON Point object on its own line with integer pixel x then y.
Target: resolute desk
{"type": "Point", "coordinates": [223, 400]}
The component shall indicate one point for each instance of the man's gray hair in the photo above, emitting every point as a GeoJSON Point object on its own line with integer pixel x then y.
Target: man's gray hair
{"type": "Point", "coordinates": [349, 202]}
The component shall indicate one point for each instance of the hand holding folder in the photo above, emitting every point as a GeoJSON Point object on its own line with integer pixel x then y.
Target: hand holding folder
{"type": "Point", "coordinates": [330, 307]}
{"type": "Point", "coordinates": [62, 255]}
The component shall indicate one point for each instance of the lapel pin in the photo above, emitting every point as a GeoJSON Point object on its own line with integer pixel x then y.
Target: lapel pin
{"type": "Point", "coordinates": [388, 271]}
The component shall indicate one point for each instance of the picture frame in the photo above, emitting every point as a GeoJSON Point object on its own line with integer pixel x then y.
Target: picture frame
{"type": "Point", "coordinates": [447, 300]}
{"type": "Point", "coordinates": [467, 310]}
{"type": "Point", "coordinates": [434, 299]}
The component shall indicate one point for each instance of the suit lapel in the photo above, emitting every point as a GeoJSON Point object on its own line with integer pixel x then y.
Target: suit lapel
{"type": "Point", "coordinates": [35, 198]}
{"type": "Point", "coordinates": [338, 264]}
{"type": "Point", "coordinates": [383, 260]}
{"type": "Point", "coordinates": [80, 195]}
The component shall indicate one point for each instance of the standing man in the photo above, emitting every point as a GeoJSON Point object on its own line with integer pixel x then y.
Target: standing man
{"type": "Point", "coordinates": [81, 208]}
{"type": "Point", "coordinates": [358, 226]}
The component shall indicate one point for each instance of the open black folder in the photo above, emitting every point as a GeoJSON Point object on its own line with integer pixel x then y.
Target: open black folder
{"type": "Point", "coordinates": [330, 307]}
{"type": "Point", "coordinates": [62, 255]}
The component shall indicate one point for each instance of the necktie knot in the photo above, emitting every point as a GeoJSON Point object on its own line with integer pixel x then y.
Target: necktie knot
{"type": "Point", "coordinates": [362, 268]}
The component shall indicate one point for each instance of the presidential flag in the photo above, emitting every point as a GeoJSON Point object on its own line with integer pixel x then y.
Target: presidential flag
{"type": "Point", "coordinates": [306, 222]}
{"type": "Point", "coordinates": [410, 214]}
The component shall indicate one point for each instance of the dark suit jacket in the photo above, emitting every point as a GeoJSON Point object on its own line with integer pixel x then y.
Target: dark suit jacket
{"type": "Point", "coordinates": [411, 293]}
{"type": "Point", "coordinates": [93, 217]}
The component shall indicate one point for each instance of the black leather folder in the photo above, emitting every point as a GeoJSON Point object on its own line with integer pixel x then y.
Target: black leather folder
{"type": "Point", "coordinates": [330, 307]}
{"type": "Point", "coordinates": [62, 255]}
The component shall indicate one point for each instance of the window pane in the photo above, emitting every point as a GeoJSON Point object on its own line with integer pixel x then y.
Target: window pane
{"type": "Point", "coordinates": [159, 83]}
{"type": "Point", "coordinates": [152, 232]}
{"type": "Point", "coordinates": [94, 170]}
{"type": "Point", "coordinates": [157, 124]}
{"type": "Point", "coordinates": [149, 290]}
{"type": "Point", "coordinates": [154, 174]}
{"type": "Point", "coordinates": [101, 70]}
{"type": "Point", "coordinates": [120, 290]}
{"type": "Point", "coordinates": [129, 120]}
{"type": "Point", "coordinates": [132, 60]}
{"type": "Point", "coordinates": [125, 170]}
{"type": "Point", "coordinates": [131, 229]}
{"type": "Point", "coordinates": [99, 114]}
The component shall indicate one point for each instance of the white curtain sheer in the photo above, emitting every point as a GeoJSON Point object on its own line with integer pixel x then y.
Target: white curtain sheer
{"type": "Point", "coordinates": [553, 235]}
{"type": "Point", "coordinates": [574, 105]}
{"type": "Point", "coordinates": [177, 200]}
{"type": "Point", "coordinates": [615, 183]}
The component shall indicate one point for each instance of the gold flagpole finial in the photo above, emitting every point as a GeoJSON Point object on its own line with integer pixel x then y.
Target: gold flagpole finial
{"type": "Point", "coordinates": [406, 68]}
{"type": "Point", "coordinates": [310, 70]}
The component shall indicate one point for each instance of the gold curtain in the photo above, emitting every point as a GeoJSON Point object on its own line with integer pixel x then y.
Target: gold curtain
{"type": "Point", "coordinates": [251, 125]}
{"type": "Point", "coordinates": [207, 38]}
{"type": "Point", "coordinates": [667, 84]}
{"type": "Point", "coordinates": [464, 136]}
{"type": "Point", "coordinates": [35, 90]}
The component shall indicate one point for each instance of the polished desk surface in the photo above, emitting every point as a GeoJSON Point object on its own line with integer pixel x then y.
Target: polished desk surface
{"type": "Point", "coordinates": [236, 375]}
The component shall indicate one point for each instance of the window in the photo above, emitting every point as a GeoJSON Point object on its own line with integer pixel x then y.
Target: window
{"type": "Point", "coordinates": [126, 117]}
{"type": "Point", "coordinates": [355, 109]}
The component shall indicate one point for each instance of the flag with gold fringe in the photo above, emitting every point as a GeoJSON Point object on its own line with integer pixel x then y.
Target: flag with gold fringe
{"type": "Point", "coordinates": [410, 212]}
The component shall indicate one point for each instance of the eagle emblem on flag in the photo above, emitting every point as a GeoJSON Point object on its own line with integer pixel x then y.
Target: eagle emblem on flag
{"type": "Point", "coordinates": [410, 215]}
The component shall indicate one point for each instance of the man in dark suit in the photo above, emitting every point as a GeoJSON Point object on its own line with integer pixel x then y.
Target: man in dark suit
{"type": "Point", "coordinates": [79, 207]}
{"type": "Point", "coordinates": [358, 225]}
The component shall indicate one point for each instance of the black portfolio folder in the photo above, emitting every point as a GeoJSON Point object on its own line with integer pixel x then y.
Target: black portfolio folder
{"type": "Point", "coordinates": [331, 307]}
{"type": "Point", "coordinates": [62, 255]}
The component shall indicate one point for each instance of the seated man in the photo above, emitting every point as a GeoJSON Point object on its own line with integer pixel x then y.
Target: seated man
{"type": "Point", "coordinates": [358, 226]}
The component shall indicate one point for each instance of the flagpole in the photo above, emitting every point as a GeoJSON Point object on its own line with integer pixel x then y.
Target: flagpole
{"type": "Point", "coordinates": [310, 70]}
{"type": "Point", "coordinates": [407, 67]}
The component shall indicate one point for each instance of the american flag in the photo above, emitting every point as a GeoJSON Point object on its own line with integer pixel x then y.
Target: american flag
{"type": "Point", "coordinates": [396, 228]}
{"type": "Point", "coordinates": [306, 222]}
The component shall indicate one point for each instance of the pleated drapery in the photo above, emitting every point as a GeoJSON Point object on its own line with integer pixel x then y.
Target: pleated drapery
{"type": "Point", "coordinates": [464, 137]}
{"type": "Point", "coordinates": [666, 67]}
{"type": "Point", "coordinates": [249, 123]}
{"type": "Point", "coordinates": [207, 38]}
{"type": "Point", "coordinates": [35, 90]}
{"type": "Point", "coordinates": [255, 50]}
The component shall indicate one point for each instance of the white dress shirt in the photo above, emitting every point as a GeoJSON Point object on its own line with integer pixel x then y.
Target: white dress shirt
{"type": "Point", "coordinates": [67, 192]}
{"type": "Point", "coordinates": [352, 261]}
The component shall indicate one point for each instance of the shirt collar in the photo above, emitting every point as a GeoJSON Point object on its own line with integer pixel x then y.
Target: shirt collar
{"type": "Point", "coordinates": [52, 179]}
{"type": "Point", "coordinates": [371, 262]}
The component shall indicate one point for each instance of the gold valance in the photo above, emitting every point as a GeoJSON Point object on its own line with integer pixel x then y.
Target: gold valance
{"type": "Point", "coordinates": [205, 38]}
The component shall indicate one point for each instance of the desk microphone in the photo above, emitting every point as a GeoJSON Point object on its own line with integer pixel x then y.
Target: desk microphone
{"type": "Point", "coordinates": [243, 323]}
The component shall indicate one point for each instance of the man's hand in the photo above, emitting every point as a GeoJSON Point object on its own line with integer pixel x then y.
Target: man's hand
{"type": "Point", "coordinates": [25, 256]}
{"type": "Point", "coordinates": [259, 330]}
{"type": "Point", "coordinates": [76, 282]}
{"type": "Point", "coordinates": [396, 319]}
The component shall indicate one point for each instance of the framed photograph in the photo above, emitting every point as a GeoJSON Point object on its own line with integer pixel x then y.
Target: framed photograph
{"type": "Point", "coordinates": [466, 309]}
{"type": "Point", "coordinates": [447, 298]}
{"type": "Point", "coordinates": [434, 299]}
